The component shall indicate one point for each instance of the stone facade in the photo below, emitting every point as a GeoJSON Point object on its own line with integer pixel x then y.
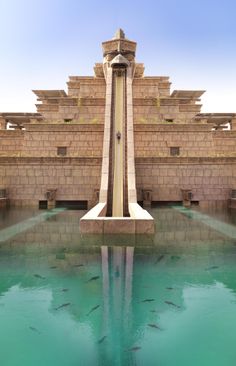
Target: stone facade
{"type": "Point", "coordinates": [61, 146]}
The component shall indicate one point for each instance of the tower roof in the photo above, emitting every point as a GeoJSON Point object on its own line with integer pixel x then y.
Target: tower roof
{"type": "Point", "coordinates": [119, 45]}
{"type": "Point", "coordinates": [120, 34]}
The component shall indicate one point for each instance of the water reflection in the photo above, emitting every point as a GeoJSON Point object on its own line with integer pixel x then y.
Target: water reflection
{"type": "Point", "coordinates": [173, 229]}
{"type": "Point", "coordinates": [117, 270]}
{"type": "Point", "coordinates": [149, 302]}
{"type": "Point", "coordinates": [85, 302]}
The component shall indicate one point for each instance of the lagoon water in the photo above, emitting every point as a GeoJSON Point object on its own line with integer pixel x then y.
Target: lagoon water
{"type": "Point", "coordinates": [71, 300]}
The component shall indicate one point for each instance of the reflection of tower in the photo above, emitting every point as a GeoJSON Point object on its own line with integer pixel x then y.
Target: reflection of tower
{"type": "Point", "coordinates": [117, 269]}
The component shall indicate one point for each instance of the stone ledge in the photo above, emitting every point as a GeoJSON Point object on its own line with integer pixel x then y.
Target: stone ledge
{"type": "Point", "coordinates": [185, 160]}
{"type": "Point", "coordinates": [12, 133]}
{"type": "Point", "coordinates": [4, 160]}
{"type": "Point", "coordinates": [140, 222]}
{"type": "Point", "coordinates": [173, 127]}
{"type": "Point", "coordinates": [65, 127]}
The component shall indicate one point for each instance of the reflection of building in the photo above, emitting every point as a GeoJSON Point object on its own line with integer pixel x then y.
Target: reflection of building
{"type": "Point", "coordinates": [56, 310]}
{"type": "Point", "coordinates": [117, 270]}
{"type": "Point", "coordinates": [60, 147]}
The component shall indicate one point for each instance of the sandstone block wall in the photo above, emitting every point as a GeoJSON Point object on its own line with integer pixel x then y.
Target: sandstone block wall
{"type": "Point", "coordinates": [27, 180]}
{"type": "Point", "coordinates": [30, 163]}
{"type": "Point", "coordinates": [193, 141]}
{"type": "Point", "coordinates": [209, 181]}
{"type": "Point", "coordinates": [43, 141]}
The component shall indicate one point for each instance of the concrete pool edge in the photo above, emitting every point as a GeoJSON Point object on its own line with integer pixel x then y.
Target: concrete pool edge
{"type": "Point", "coordinates": [140, 221]}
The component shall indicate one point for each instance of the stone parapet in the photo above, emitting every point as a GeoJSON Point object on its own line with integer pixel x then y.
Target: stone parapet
{"type": "Point", "coordinates": [172, 127]}
{"type": "Point", "coordinates": [63, 127]}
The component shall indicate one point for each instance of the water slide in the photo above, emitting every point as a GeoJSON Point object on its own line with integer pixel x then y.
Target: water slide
{"type": "Point", "coordinates": [118, 138]}
{"type": "Point", "coordinates": [118, 210]}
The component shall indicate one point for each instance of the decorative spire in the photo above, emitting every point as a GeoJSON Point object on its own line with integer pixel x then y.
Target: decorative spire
{"type": "Point", "coordinates": [120, 34]}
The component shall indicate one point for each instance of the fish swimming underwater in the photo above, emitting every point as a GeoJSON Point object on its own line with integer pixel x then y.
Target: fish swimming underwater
{"type": "Point", "coordinates": [94, 308]}
{"type": "Point", "coordinates": [35, 330]}
{"type": "Point", "coordinates": [63, 306]}
{"type": "Point", "coordinates": [77, 265]}
{"type": "Point", "coordinates": [101, 340]}
{"type": "Point", "coordinates": [154, 326]}
{"type": "Point", "coordinates": [148, 300]}
{"type": "Point", "coordinates": [39, 276]}
{"type": "Point", "coordinates": [159, 259]}
{"type": "Point", "coordinates": [171, 303]}
{"type": "Point", "coordinates": [134, 349]}
{"type": "Point", "coordinates": [209, 268]}
{"type": "Point", "coordinates": [175, 257]}
{"type": "Point", "coordinates": [93, 278]}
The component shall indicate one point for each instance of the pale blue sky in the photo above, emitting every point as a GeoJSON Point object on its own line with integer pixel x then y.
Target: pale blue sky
{"type": "Point", "coordinates": [44, 41]}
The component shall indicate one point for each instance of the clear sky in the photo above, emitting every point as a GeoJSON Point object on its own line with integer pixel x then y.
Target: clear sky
{"type": "Point", "coordinates": [44, 41]}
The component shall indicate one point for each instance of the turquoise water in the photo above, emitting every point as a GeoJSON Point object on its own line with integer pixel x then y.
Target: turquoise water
{"type": "Point", "coordinates": [69, 300]}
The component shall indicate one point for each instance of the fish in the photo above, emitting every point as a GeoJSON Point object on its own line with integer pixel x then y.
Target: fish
{"type": "Point", "coordinates": [53, 267]}
{"type": "Point", "coordinates": [93, 278]}
{"type": "Point", "coordinates": [134, 349]}
{"type": "Point", "coordinates": [39, 276]}
{"type": "Point", "coordinates": [147, 300]}
{"type": "Point", "coordinates": [63, 306]}
{"type": "Point", "coordinates": [65, 290]}
{"type": "Point", "coordinates": [77, 265]}
{"type": "Point", "coordinates": [35, 330]}
{"type": "Point", "coordinates": [153, 311]}
{"type": "Point", "coordinates": [213, 267]}
{"type": "Point", "coordinates": [159, 258]}
{"type": "Point", "coordinates": [171, 303]}
{"type": "Point", "coordinates": [169, 288]}
{"type": "Point", "coordinates": [154, 326]}
{"type": "Point", "coordinates": [102, 339]}
{"type": "Point", "coordinates": [175, 257]}
{"type": "Point", "coordinates": [94, 308]}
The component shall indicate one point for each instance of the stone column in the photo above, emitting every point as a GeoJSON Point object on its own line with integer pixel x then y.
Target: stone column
{"type": "Point", "coordinates": [147, 197]}
{"type": "Point", "coordinates": [132, 194]}
{"type": "Point", "coordinates": [186, 197]}
{"type": "Point", "coordinates": [3, 123]}
{"type": "Point", "coordinates": [106, 137]}
{"type": "Point", "coordinates": [233, 124]}
{"type": "Point", "coordinates": [51, 197]}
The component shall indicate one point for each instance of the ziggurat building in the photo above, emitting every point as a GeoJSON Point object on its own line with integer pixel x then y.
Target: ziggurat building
{"type": "Point", "coordinates": [66, 152]}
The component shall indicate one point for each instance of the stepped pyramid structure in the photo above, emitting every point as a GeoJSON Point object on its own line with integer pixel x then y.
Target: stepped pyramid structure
{"type": "Point", "coordinates": [115, 139]}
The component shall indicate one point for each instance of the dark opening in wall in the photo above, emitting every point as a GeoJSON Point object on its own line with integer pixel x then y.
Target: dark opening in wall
{"type": "Point", "coordinates": [3, 193]}
{"type": "Point", "coordinates": [73, 205]}
{"type": "Point", "coordinates": [165, 203]}
{"type": "Point", "coordinates": [170, 120]}
{"type": "Point", "coordinates": [43, 205]}
{"type": "Point", "coordinates": [67, 120]}
{"type": "Point", "coordinates": [174, 150]}
{"type": "Point", "coordinates": [61, 151]}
